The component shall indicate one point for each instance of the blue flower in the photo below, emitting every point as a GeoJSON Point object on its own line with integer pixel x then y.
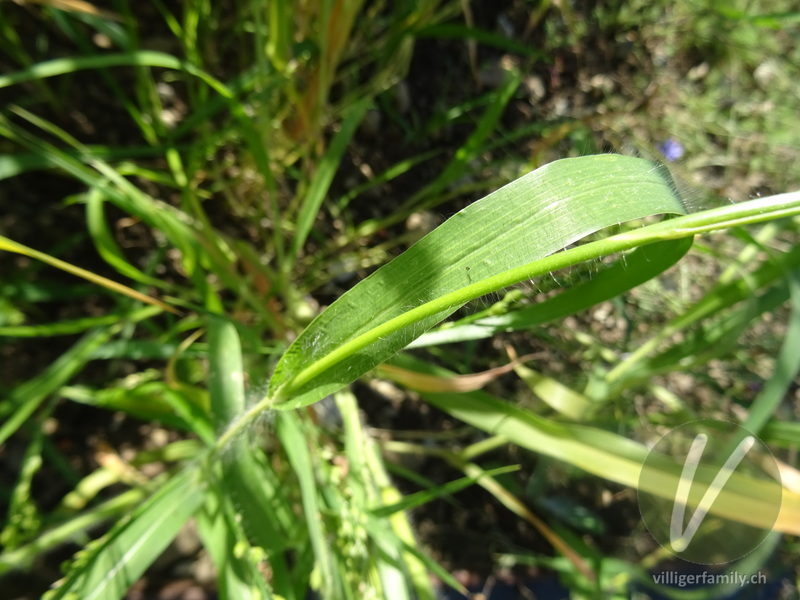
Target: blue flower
{"type": "Point", "coordinates": [671, 148]}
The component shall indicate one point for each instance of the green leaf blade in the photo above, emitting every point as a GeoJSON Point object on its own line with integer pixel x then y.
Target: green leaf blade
{"type": "Point", "coordinates": [534, 216]}
{"type": "Point", "coordinates": [226, 371]}
{"type": "Point", "coordinates": [117, 561]}
{"type": "Point", "coordinates": [635, 268]}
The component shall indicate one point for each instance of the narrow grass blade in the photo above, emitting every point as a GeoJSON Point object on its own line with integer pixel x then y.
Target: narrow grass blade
{"type": "Point", "coordinates": [111, 565]}
{"type": "Point", "coordinates": [432, 194]}
{"type": "Point", "coordinates": [294, 443]}
{"type": "Point", "coordinates": [142, 58]}
{"type": "Point", "coordinates": [66, 327]}
{"type": "Point", "coordinates": [238, 575]}
{"type": "Point", "coordinates": [107, 246]}
{"type": "Point", "coordinates": [486, 125]}
{"type": "Point", "coordinates": [151, 401]}
{"type": "Point", "coordinates": [279, 39]}
{"type": "Point", "coordinates": [723, 295]}
{"type": "Point", "coordinates": [558, 396]}
{"type": "Point", "coordinates": [138, 349]}
{"type": "Point", "coordinates": [413, 500]}
{"type": "Point", "coordinates": [11, 246]}
{"type": "Point", "coordinates": [226, 371]}
{"type": "Point", "coordinates": [457, 31]}
{"type": "Point", "coordinates": [512, 503]}
{"type": "Point", "coordinates": [787, 365]}
{"type": "Point", "coordinates": [197, 248]}
{"type": "Point", "coordinates": [389, 174]}
{"type": "Point", "coordinates": [709, 342]}
{"type": "Point", "coordinates": [26, 398]}
{"type": "Point", "coordinates": [435, 568]}
{"type": "Point", "coordinates": [12, 165]}
{"type": "Point", "coordinates": [782, 433]}
{"type": "Point", "coordinates": [318, 188]}
{"type": "Point", "coordinates": [117, 188]}
{"type": "Point", "coordinates": [74, 528]}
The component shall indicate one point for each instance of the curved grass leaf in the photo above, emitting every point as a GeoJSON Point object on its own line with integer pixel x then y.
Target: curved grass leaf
{"type": "Point", "coordinates": [708, 342]}
{"type": "Point", "coordinates": [526, 220]}
{"type": "Point", "coordinates": [151, 401]}
{"type": "Point", "coordinates": [106, 244]}
{"type": "Point", "coordinates": [141, 58]}
{"type": "Point", "coordinates": [108, 568]}
{"type": "Point", "coordinates": [103, 177]}
{"type": "Point", "coordinates": [12, 165]}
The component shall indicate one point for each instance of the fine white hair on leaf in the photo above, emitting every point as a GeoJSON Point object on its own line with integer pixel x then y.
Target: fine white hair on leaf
{"type": "Point", "coordinates": [255, 394]}
{"type": "Point", "coordinates": [262, 423]}
{"type": "Point", "coordinates": [692, 196]}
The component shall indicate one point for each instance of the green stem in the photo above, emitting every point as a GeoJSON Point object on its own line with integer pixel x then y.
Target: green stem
{"type": "Point", "coordinates": [759, 210]}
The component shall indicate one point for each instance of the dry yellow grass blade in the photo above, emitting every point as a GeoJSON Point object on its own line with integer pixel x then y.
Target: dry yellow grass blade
{"type": "Point", "coordinates": [516, 506]}
{"type": "Point", "coordinates": [11, 246]}
{"type": "Point", "coordinates": [459, 383]}
{"type": "Point", "coordinates": [560, 398]}
{"type": "Point", "coordinates": [790, 477]}
{"type": "Point", "coordinates": [78, 6]}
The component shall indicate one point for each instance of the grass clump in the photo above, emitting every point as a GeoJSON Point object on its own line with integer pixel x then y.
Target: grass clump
{"type": "Point", "coordinates": [271, 356]}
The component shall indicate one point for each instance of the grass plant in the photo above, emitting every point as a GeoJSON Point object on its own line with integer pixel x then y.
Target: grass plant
{"type": "Point", "coordinates": [227, 213]}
